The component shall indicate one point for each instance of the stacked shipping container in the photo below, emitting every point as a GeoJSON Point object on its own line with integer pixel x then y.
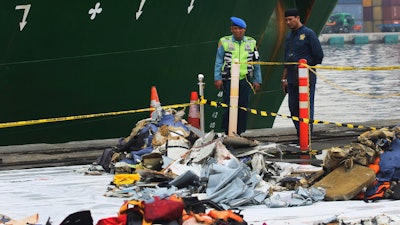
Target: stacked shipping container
{"type": "Point", "coordinates": [380, 12]}
{"type": "Point", "coordinates": [369, 13]}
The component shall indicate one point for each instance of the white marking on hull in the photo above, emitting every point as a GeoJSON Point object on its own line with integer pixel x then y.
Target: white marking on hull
{"type": "Point", "coordinates": [26, 9]}
{"type": "Point", "coordinates": [191, 6]}
{"type": "Point", "coordinates": [96, 10]}
{"type": "Point", "coordinates": [140, 11]}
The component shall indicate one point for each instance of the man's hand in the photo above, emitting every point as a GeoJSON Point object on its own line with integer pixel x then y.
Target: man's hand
{"type": "Point", "coordinates": [256, 86]}
{"type": "Point", "coordinates": [218, 84]}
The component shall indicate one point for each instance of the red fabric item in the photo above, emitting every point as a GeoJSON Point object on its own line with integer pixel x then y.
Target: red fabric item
{"type": "Point", "coordinates": [163, 209]}
{"type": "Point", "coordinates": [120, 220]}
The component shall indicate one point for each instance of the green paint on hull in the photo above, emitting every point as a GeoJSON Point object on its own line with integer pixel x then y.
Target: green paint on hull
{"type": "Point", "coordinates": [63, 63]}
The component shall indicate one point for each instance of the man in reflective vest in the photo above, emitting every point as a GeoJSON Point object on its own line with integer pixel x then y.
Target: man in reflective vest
{"type": "Point", "coordinates": [237, 46]}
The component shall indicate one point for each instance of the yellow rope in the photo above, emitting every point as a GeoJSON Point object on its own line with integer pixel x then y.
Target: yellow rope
{"type": "Point", "coordinates": [347, 90]}
{"type": "Point", "coordinates": [312, 68]}
{"type": "Point", "coordinates": [219, 104]}
{"type": "Point", "coordinates": [356, 68]}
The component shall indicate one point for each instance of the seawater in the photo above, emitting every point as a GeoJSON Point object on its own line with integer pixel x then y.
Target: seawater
{"type": "Point", "coordinates": [345, 96]}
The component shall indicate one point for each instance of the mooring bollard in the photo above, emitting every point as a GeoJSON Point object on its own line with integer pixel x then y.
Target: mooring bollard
{"type": "Point", "coordinates": [304, 103]}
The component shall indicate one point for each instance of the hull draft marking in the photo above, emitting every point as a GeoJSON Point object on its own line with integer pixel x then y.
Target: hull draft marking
{"type": "Point", "coordinates": [26, 9]}
{"type": "Point", "coordinates": [140, 11]}
{"type": "Point", "coordinates": [191, 6]}
{"type": "Point", "coordinates": [94, 11]}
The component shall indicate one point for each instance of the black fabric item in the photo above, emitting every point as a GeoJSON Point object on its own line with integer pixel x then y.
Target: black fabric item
{"type": "Point", "coordinates": [105, 159]}
{"type": "Point", "coordinates": [136, 143]}
{"type": "Point", "coordinates": [134, 217]}
{"type": "Point", "coordinates": [193, 204]}
{"type": "Point", "coordinates": [78, 218]}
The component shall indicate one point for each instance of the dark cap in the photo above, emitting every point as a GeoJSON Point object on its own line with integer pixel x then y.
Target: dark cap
{"type": "Point", "coordinates": [238, 22]}
{"type": "Point", "coordinates": [291, 12]}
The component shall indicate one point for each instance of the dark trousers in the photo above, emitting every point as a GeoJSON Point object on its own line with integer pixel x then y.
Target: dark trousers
{"type": "Point", "coordinates": [244, 99]}
{"type": "Point", "coordinates": [293, 99]}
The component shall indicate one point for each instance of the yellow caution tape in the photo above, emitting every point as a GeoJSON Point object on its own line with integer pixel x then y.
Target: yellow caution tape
{"type": "Point", "coordinates": [270, 63]}
{"type": "Point", "coordinates": [201, 101]}
{"type": "Point", "coordinates": [88, 116]}
{"type": "Point", "coordinates": [295, 118]}
{"type": "Point", "coordinates": [220, 104]}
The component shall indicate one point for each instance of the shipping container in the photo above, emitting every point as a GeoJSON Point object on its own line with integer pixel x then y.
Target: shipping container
{"type": "Point", "coordinates": [376, 2]}
{"type": "Point", "coordinates": [377, 13]}
{"type": "Point", "coordinates": [391, 12]}
{"type": "Point", "coordinates": [367, 3]}
{"type": "Point", "coordinates": [391, 21]}
{"type": "Point", "coordinates": [367, 27]}
{"type": "Point", "coordinates": [390, 2]}
{"type": "Point", "coordinates": [367, 14]}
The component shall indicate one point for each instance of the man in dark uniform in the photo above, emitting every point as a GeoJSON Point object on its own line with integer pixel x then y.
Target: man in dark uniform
{"type": "Point", "coordinates": [241, 47]}
{"type": "Point", "coordinates": [300, 43]}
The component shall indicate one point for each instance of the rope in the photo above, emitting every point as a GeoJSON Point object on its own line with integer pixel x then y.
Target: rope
{"type": "Point", "coordinates": [350, 91]}
{"type": "Point", "coordinates": [220, 104]}
{"type": "Point", "coordinates": [332, 84]}
{"type": "Point", "coordinates": [295, 118]}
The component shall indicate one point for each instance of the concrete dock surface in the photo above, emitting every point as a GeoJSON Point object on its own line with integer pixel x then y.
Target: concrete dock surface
{"type": "Point", "coordinates": [86, 152]}
{"type": "Point", "coordinates": [359, 38]}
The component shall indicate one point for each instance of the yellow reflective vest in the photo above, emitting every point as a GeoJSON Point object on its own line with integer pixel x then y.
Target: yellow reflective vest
{"type": "Point", "coordinates": [243, 50]}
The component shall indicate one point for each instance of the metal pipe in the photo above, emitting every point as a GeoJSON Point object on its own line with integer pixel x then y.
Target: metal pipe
{"type": "Point", "coordinates": [200, 77]}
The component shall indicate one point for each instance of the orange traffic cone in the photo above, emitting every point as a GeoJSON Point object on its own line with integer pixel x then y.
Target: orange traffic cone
{"type": "Point", "coordinates": [194, 110]}
{"type": "Point", "coordinates": [154, 101]}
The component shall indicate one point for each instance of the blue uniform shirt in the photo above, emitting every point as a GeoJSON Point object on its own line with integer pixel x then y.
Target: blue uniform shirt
{"type": "Point", "coordinates": [302, 43]}
{"type": "Point", "coordinates": [219, 62]}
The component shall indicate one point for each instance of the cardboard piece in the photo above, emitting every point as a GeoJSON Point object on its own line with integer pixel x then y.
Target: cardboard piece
{"type": "Point", "coordinates": [345, 184]}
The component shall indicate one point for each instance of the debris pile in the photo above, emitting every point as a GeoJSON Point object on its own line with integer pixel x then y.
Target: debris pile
{"type": "Point", "coordinates": [372, 164]}
{"type": "Point", "coordinates": [174, 173]}
{"type": "Point", "coordinates": [171, 157]}
{"type": "Point", "coordinates": [165, 151]}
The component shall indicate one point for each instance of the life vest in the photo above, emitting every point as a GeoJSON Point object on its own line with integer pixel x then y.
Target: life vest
{"type": "Point", "coordinates": [245, 51]}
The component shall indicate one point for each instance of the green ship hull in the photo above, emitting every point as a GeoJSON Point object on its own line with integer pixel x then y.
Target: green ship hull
{"type": "Point", "coordinates": [67, 58]}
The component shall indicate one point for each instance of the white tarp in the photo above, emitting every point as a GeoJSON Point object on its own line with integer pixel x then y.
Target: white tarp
{"type": "Point", "coordinates": [56, 192]}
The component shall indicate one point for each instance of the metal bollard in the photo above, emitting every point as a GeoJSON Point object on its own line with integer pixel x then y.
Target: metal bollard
{"type": "Point", "coordinates": [200, 77]}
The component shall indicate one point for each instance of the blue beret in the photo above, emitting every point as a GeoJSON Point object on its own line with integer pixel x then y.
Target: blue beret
{"type": "Point", "coordinates": [238, 22]}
